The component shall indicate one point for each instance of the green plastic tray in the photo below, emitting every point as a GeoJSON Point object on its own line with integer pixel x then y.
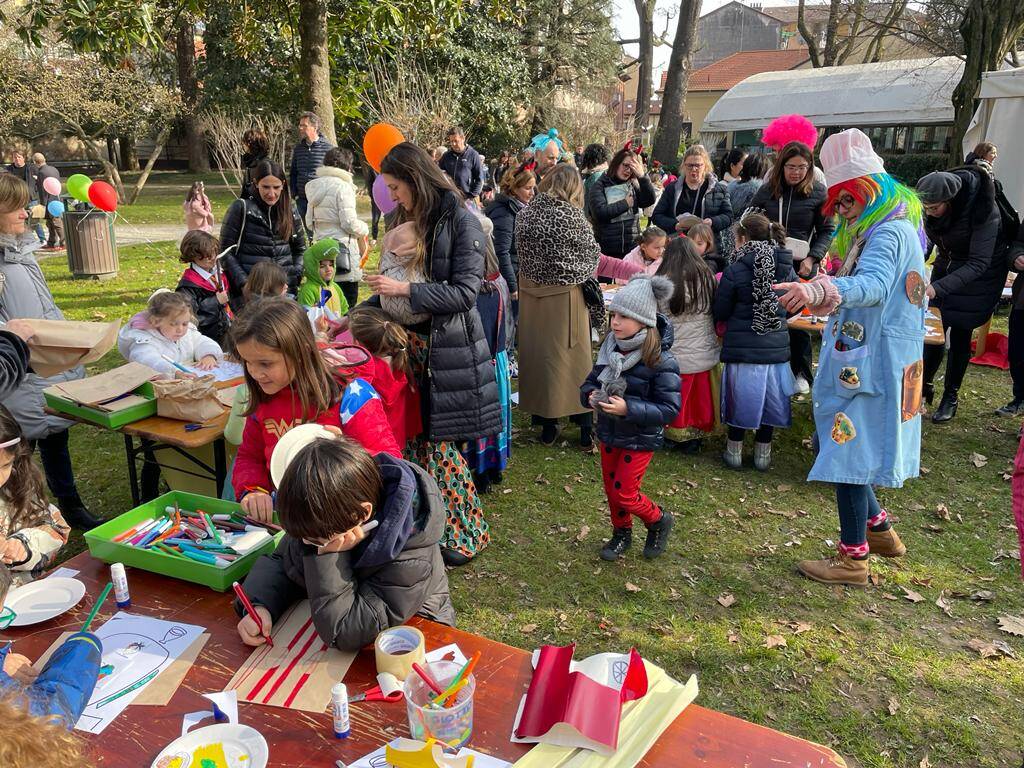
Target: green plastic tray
{"type": "Point", "coordinates": [103, 548]}
{"type": "Point", "coordinates": [105, 418]}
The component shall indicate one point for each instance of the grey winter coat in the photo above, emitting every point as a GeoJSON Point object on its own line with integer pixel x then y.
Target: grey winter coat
{"type": "Point", "coordinates": [461, 391]}
{"type": "Point", "coordinates": [394, 574]}
{"type": "Point", "coordinates": [25, 294]}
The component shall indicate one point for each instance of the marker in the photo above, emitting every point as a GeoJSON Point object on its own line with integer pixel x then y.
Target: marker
{"type": "Point", "coordinates": [178, 366]}
{"type": "Point", "coordinates": [201, 557]}
{"type": "Point", "coordinates": [367, 527]}
{"type": "Point", "coordinates": [132, 531]}
{"type": "Point", "coordinates": [244, 599]}
{"type": "Point", "coordinates": [133, 687]}
{"type": "Point", "coordinates": [339, 703]}
{"type": "Point", "coordinates": [120, 580]}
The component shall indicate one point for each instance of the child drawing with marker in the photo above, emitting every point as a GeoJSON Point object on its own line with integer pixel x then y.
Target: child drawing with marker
{"type": "Point", "coordinates": [361, 542]}
{"type": "Point", "coordinates": [290, 384]}
{"type": "Point", "coordinates": [32, 530]}
{"type": "Point", "coordinates": [164, 337]}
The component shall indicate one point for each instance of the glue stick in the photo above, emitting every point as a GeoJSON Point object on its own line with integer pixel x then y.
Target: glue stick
{"type": "Point", "coordinates": [339, 703]}
{"type": "Point", "coordinates": [120, 580]}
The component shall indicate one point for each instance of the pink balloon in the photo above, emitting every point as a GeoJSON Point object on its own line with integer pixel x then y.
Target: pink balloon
{"type": "Point", "coordinates": [52, 185]}
{"type": "Point", "coordinates": [382, 197]}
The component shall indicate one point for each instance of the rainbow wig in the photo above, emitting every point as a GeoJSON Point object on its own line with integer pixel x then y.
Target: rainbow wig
{"type": "Point", "coordinates": [541, 140]}
{"type": "Point", "coordinates": [883, 199]}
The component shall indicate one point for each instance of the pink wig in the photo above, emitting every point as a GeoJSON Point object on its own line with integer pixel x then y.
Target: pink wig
{"type": "Point", "coordinates": [786, 128]}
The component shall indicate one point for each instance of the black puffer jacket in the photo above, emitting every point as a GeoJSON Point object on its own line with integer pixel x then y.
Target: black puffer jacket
{"type": "Point", "coordinates": [714, 204]}
{"type": "Point", "coordinates": [253, 229]}
{"type": "Point", "coordinates": [652, 400]}
{"type": "Point", "coordinates": [800, 215]}
{"type": "Point", "coordinates": [460, 397]}
{"type": "Point", "coordinates": [734, 305]}
{"type": "Point", "coordinates": [502, 212]}
{"type": "Point", "coordinates": [617, 236]}
{"type": "Point", "coordinates": [389, 577]}
{"type": "Point", "coordinates": [970, 263]}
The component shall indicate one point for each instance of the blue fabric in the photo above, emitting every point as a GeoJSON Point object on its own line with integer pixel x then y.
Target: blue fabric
{"type": "Point", "coordinates": [493, 452]}
{"type": "Point", "coordinates": [357, 394]}
{"type": "Point", "coordinates": [885, 449]}
{"type": "Point", "coordinates": [65, 684]}
{"type": "Point", "coordinates": [466, 169]}
{"type": "Point", "coordinates": [753, 395]}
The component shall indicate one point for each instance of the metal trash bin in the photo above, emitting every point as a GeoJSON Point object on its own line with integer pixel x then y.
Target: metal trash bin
{"type": "Point", "coordinates": [92, 250]}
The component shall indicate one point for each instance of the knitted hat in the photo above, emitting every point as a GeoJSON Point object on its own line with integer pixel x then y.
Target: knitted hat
{"type": "Point", "coordinates": [938, 187]}
{"type": "Point", "coordinates": [639, 298]}
{"type": "Point", "coordinates": [848, 155]}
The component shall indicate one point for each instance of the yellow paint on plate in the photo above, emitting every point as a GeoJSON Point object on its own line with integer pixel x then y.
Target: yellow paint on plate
{"type": "Point", "coordinates": [210, 756]}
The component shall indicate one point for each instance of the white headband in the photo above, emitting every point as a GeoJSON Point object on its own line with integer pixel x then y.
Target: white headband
{"type": "Point", "coordinates": [9, 443]}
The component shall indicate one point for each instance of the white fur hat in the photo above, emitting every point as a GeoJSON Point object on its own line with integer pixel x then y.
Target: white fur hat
{"type": "Point", "coordinates": [848, 155]}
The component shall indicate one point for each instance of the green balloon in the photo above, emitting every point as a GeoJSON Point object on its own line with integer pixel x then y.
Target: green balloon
{"type": "Point", "coordinates": [78, 187]}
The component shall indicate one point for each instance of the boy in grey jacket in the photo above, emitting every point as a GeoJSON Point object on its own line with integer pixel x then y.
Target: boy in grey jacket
{"type": "Point", "coordinates": [358, 582]}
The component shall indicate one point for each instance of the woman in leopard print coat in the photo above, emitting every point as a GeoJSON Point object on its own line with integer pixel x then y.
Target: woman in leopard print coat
{"type": "Point", "coordinates": [557, 254]}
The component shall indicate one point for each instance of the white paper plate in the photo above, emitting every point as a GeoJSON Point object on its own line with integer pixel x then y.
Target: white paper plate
{"type": "Point", "coordinates": [42, 600]}
{"type": "Point", "coordinates": [244, 747]}
{"type": "Point", "coordinates": [294, 440]}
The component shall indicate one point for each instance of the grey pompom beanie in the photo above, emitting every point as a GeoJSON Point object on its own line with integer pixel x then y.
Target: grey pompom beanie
{"type": "Point", "coordinates": [938, 187]}
{"type": "Point", "coordinates": [640, 297]}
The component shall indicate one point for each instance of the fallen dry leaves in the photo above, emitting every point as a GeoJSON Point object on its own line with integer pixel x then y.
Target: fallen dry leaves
{"type": "Point", "coordinates": [775, 641]}
{"type": "Point", "coordinates": [987, 649]}
{"type": "Point", "coordinates": [912, 596]}
{"type": "Point", "coordinates": [726, 600]}
{"type": "Point", "coordinates": [1013, 625]}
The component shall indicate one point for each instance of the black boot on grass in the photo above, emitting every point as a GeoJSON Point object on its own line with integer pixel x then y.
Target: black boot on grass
{"type": "Point", "coordinates": [616, 546]}
{"type": "Point", "coordinates": [657, 535]}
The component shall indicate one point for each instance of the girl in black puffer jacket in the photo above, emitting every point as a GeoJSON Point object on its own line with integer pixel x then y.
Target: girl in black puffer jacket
{"type": "Point", "coordinates": [757, 382]}
{"type": "Point", "coordinates": [635, 390]}
{"type": "Point", "coordinates": [263, 227]}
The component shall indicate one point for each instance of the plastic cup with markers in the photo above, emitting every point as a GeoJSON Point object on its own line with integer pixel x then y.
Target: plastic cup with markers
{"type": "Point", "coordinates": [439, 704]}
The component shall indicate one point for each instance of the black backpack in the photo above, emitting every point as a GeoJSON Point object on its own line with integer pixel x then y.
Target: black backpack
{"type": "Point", "coordinates": [1009, 219]}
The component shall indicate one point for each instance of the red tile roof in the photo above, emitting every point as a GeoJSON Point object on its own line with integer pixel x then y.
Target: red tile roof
{"type": "Point", "coordinates": [724, 74]}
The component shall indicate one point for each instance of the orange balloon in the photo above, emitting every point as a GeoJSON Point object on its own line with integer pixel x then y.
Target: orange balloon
{"type": "Point", "coordinates": [378, 141]}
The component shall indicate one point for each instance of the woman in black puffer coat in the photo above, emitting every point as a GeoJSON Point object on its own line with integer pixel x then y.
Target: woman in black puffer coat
{"type": "Point", "coordinates": [962, 222]}
{"type": "Point", "coordinates": [616, 202]}
{"type": "Point", "coordinates": [448, 353]}
{"type": "Point", "coordinates": [793, 198]}
{"type": "Point", "coordinates": [263, 227]}
{"type": "Point", "coordinates": [698, 192]}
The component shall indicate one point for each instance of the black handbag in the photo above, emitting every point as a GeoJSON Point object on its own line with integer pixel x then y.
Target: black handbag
{"type": "Point", "coordinates": [593, 297]}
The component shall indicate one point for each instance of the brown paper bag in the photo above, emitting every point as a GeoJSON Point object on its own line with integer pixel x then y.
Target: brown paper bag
{"type": "Point", "coordinates": [93, 390]}
{"type": "Point", "coordinates": [59, 345]}
{"type": "Point", "coordinates": [192, 400]}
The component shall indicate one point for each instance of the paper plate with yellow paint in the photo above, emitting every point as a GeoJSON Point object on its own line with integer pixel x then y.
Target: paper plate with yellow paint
{"type": "Point", "coordinates": [225, 745]}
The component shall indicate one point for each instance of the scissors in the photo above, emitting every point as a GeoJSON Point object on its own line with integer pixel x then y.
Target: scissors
{"type": "Point", "coordinates": [376, 694]}
{"type": "Point", "coordinates": [194, 427]}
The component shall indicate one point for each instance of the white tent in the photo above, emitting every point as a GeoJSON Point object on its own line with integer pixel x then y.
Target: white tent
{"type": "Point", "coordinates": [915, 91]}
{"type": "Point", "coordinates": [999, 119]}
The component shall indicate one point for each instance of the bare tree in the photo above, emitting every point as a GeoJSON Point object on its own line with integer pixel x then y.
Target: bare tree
{"type": "Point", "coordinates": [851, 26]}
{"type": "Point", "coordinates": [224, 129]}
{"type": "Point", "coordinates": [670, 126]}
{"type": "Point", "coordinates": [420, 102]}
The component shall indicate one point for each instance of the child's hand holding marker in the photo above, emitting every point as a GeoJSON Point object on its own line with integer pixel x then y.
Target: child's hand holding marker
{"type": "Point", "coordinates": [249, 630]}
{"type": "Point", "coordinates": [259, 505]}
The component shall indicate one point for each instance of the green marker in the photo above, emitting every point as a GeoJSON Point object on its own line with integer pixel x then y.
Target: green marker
{"type": "Point", "coordinates": [133, 687]}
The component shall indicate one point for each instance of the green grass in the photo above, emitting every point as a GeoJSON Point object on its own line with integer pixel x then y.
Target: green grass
{"type": "Point", "coordinates": [540, 581]}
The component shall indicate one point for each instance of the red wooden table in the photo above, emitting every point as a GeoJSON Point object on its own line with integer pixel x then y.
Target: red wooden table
{"type": "Point", "coordinates": [698, 737]}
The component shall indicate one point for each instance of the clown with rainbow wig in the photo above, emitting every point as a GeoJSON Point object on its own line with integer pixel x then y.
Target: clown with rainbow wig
{"type": "Point", "coordinates": [867, 395]}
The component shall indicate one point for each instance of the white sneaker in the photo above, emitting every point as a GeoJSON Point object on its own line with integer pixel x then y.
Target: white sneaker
{"type": "Point", "coordinates": [762, 456]}
{"type": "Point", "coordinates": [802, 386]}
{"type": "Point", "coordinates": [733, 455]}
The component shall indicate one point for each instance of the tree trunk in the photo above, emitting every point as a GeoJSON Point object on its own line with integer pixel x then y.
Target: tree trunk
{"type": "Point", "coordinates": [111, 152]}
{"type": "Point", "coordinates": [645, 15]}
{"type": "Point", "coordinates": [989, 29]}
{"type": "Point", "coordinates": [670, 127]}
{"type": "Point", "coordinates": [161, 140]}
{"type": "Point", "coordinates": [110, 172]}
{"type": "Point", "coordinates": [129, 158]}
{"type": "Point", "coordinates": [185, 55]}
{"type": "Point", "coordinates": [314, 64]}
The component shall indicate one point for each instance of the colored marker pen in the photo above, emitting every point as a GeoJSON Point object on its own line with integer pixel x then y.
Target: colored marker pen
{"type": "Point", "coordinates": [339, 703]}
{"type": "Point", "coordinates": [120, 579]}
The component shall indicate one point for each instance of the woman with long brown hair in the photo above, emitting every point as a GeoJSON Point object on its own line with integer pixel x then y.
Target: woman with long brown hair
{"type": "Point", "coordinates": [557, 255]}
{"type": "Point", "coordinates": [449, 353]}
{"type": "Point", "coordinates": [263, 227]}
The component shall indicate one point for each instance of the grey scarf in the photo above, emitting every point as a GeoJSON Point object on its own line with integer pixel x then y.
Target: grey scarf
{"type": "Point", "coordinates": [616, 363]}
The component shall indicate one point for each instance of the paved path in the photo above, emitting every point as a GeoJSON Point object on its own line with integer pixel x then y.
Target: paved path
{"type": "Point", "coordinates": [132, 234]}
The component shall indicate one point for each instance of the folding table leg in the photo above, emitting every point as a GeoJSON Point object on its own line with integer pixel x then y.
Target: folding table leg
{"type": "Point", "coordinates": [133, 475]}
{"type": "Point", "coordinates": [220, 464]}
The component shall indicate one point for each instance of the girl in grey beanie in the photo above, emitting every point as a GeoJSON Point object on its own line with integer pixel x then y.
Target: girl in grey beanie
{"type": "Point", "coordinates": [634, 387]}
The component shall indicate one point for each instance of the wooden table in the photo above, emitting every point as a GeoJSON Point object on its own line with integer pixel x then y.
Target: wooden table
{"type": "Point", "coordinates": [935, 333]}
{"type": "Point", "coordinates": [158, 433]}
{"type": "Point", "coordinates": [699, 737]}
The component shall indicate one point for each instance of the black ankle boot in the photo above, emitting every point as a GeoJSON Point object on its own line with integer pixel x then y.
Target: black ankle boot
{"type": "Point", "coordinates": [616, 546]}
{"type": "Point", "coordinates": [657, 535]}
{"type": "Point", "coordinates": [946, 409]}
{"type": "Point", "coordinates": [691, 447]}
{"type": "Point", "coordinates": [75, 513]}
{"type": "Point", "coordinates": [482, 483]}
{"type": "Point", "coordinates": [587, 435]}
{"type": "Point", "coordinates": [928, 393]}
{"type": "Point", "coordinates": [452, 558]}
{"type": "Point", "coordinates": [549, 434]}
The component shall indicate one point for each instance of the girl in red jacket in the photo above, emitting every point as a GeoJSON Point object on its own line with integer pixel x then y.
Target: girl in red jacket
{"type": "Point", "coordinates": [289, 384]}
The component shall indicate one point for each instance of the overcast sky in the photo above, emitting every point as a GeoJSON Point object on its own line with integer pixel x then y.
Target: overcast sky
{"type": "Point", "coordinates": [627, 27]}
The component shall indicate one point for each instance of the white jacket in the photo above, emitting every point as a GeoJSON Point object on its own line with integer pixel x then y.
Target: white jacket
{"type": "Point", "coordinates": [332, 213]}
{"type": "Point", "coordinates": [695, 345]}
{"type": "Point", "coordinates": [141, 344]}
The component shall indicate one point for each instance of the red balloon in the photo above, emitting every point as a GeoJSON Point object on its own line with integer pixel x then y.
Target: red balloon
{"type": "Point", "coordinates": [378, 141]}
{"type": "Point", "coordinates": [103, 196]}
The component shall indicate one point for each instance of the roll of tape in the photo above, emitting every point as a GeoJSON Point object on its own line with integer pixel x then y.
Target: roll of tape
{"type": "Point", "coordinates": [397, 649]}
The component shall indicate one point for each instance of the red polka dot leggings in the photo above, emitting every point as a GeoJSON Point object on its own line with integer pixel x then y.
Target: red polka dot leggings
{"type": "Point", "coordinates": [623, 471]}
